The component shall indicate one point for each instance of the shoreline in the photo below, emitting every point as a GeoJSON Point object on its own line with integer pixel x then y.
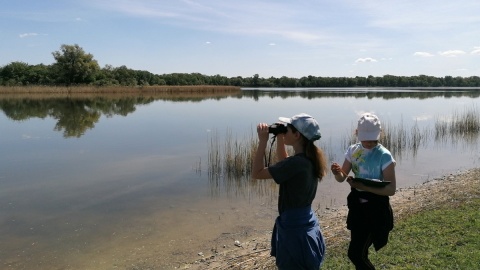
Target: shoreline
{"type": "Point", "coordinates": [255, 253]}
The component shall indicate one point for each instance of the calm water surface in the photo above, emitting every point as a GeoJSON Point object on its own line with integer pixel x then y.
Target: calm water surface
{"type": "Point", "coordinates": [122, 183]}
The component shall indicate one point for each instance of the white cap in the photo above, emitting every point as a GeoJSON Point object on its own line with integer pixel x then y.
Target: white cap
{"type": "Point", "coordinates": [368, 128]}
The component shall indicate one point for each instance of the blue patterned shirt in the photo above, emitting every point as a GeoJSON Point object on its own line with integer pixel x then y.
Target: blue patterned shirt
{"type": "Point", "coordinates": [369, 163]}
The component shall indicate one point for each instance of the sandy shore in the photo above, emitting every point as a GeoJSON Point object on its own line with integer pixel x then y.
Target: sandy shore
{"type": "Point", "coordinates": [254, 254]}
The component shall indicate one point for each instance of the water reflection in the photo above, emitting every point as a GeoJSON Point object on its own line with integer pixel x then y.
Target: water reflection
{"type": "Point", "coordinates": [73, 116]}
{"type": "Point", "coordinates": [76, 114]}
{"type": "Point", "coordinates": [360, 93]}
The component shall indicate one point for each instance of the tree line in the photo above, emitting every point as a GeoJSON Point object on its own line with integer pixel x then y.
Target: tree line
{"type": "Point", "coordinates": [73, 66]}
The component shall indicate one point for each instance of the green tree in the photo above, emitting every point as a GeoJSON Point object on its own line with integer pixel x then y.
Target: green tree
{"type": "Point", "coordinates": [14, 73]}
{"type": "Point", "coordinates": [74, 66]}
{"type": "Point", "coordinates": [125, 76]}
{"type": "Point", "coordinates": [39, 75]}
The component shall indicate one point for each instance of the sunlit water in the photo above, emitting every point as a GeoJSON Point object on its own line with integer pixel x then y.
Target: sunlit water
{"type": "Point", "coordinates": [125, 184]}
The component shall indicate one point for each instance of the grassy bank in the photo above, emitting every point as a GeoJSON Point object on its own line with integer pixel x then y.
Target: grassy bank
{"type": "Point", "coordinates": [444, 238]}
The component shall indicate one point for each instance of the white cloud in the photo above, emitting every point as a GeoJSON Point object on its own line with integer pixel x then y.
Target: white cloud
{"type": "Point", "coordinates": [423, 54]}
{"type": "Point", "coordinates": [365, 60]}
{"type": "Point", "coordinates": [272, 44]}
{"type": "Point", "coordinates": [410, 14]}
{"type": "Point", "coordinates": [27, 35]}
{"type": "Point", "coordinates": [476, 51]}
{"type": "Point", "coordinates": [451, 53]}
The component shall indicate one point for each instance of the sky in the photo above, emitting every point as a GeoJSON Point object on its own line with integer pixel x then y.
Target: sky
{"type": "Point", "coordinates": [293, 38]}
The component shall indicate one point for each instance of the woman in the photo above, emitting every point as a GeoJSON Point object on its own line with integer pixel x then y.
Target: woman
{"type": "Point", "coordinates": [297, 241]}
{"type": "Point", "coordinates": [370, 216]}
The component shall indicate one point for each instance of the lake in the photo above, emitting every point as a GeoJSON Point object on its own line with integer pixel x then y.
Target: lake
{"type": "Point", "coordinates": [123, 182]}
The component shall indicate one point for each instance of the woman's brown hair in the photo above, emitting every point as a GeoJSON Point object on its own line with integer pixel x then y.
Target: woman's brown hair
{"type": "Point", "coordinates": [315, 154]}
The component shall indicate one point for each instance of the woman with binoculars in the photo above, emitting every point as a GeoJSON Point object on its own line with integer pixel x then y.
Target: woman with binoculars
{"type": "Point", "coordinates": [297, 240]}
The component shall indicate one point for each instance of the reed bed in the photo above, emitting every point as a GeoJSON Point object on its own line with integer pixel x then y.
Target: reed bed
{"type": "Point", "coordinates": [230, 163]}
{"type": "Point", "coordinates": [401, 140]}
{"type": "Point", "coordinates": [171, 93]}
{"type": "Point", "coordinates": [237, 157]}
{"type": "Point", "coordinates": [170, 96]}
{"type": "Point", "coordinates": [118, 89]}
{"type": "Point", "coordinates": [464, 125]}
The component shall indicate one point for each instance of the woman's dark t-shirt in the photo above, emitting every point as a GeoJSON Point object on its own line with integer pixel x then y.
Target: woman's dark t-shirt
{"type": "Point", "coordinates": [297, 180]}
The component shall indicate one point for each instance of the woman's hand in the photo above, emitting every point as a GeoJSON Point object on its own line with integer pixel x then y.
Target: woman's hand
{"type": "Point", "coordinates": [262, 131]}
{"type": "Point", "coordinates": [259, 171]}
{"type": "Point", "coordinates": [336, 169]}
{"type": "Point", "coordinates": [342, 172]}
{"type": "Point", "coordinates": [355, 184]}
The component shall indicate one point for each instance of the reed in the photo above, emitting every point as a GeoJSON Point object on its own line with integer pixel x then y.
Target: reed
{"type": "Point", "coordinates": [418, 138]}
{"type": "Point", "coordinates": [465, 125]}
{"type": "Point", "coordinates": [230, 163]}
{"type": "Point", "coordinates": [467, 122]}
{"type": "Point", "coordinates": [118, 89]}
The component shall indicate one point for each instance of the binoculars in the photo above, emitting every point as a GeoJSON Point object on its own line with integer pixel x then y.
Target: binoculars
{"type": "Point", "coordinates": [276, 129]}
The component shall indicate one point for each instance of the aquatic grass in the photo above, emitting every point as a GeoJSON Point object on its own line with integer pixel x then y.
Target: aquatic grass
{"type": "Point", "coordinates": [348, 138]}
{"type": "Point", "coordinates": [464, 125]}
{"type": "Point", "coordinates": [238, 155]}
{"type": "Point", "coordinates": [394, 138]}
{"type": "Point", "coordinates": [215, 164]}
{"type": "Point", "coordinates": [441, 129]}
{"type": "Point", "coordinates": [418, 138]}
{"type": "Point", "coordinates": [466, 122]}
{"type": "Point", "coordinates": [230, 163]}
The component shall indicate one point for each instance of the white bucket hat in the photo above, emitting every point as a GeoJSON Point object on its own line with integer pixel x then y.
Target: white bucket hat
{"type": "Point", "coordinates": [369, 128]}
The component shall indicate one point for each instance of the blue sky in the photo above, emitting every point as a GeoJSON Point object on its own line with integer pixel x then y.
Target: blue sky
{"type": "Point", "coordinates": [242, 38]}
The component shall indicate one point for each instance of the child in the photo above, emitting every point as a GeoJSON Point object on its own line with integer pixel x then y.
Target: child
{"type": "Point", "coordinates": [297, 241]}
{"type": "Point", "coordinates": [370, 217]}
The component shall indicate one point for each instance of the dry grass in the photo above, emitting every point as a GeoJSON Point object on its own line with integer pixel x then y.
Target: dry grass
{"type": "Point", "coordinates": [255, 254]}
{"type": "Point", "coordinates": [117, 89]}
{"type": "Point", "coordinates": [168, 92]}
